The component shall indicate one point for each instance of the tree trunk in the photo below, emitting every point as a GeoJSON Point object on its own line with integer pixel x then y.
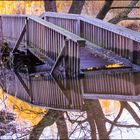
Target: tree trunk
{"type": "Point", "coordinates": [94, 112]}
{"type": "Point", "coordinates": [77, 6]}
{"type": "Point", "coordinates": [47, 120]}
{"type": "Point", "coordinates": [90, 118]}
{"type": "Point", "coordinates": [62, 127]}
{"type": "Point", "coordinates": [102, 13]}
{"type": "Point", "coordinates": [50, 5]}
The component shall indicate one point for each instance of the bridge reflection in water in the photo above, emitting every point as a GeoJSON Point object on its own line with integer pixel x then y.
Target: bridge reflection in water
{"type": "Point", "coordinates": [73, 103]}
{"type": "Point", "coordinates": [58, 92]}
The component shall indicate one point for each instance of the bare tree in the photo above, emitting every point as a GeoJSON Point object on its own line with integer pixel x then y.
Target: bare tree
{"type": "Point", "coordinates": [96, 118]}
{"type": "Point", "coordinates": [49, 119]}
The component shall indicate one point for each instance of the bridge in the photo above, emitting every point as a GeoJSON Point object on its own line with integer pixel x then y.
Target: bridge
{"type": "Point", "coordinates": [85, 41]}
{"type": "Point", "coordinates": [72, 44]}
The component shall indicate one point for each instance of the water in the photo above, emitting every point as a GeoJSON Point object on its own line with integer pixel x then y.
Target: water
{"type": "Point", "coordinates": [101, 104]}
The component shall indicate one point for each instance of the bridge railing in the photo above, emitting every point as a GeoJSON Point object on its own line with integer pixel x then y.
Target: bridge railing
{"type": "Point", "coordinates": [52, 39]}
{"type": "Point", "coordinates": [70, 22]}
{"type": "Point", "coordinates": [121, 83]}
{"type": "Point", "coordinates": [48, 38]}
{"type": "Point", "coordinates": [11, 26]}
{"type": "Point", "coordinates": [46, 91]}
{"type": "Point", "coordinates": [120, 40]}
{"type": "Point", "coordinates": [121, 86]}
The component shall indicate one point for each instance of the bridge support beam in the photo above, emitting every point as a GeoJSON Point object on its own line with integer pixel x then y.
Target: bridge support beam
{"type": "Point", "coordinates": [23, 83]}
{"type": "Point", "coordinates": [136, 52]}
{"type": "Point", "coordinates": [60, 57]}
{"type": "Point", "coordinates": [1, 35]}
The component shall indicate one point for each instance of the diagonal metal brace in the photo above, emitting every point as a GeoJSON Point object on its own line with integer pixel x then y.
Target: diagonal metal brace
{"type": "Point", "coordinates": [20, 38]}
{"type": "Point", "coordinates": [60, 57]}
{"type": "Point", "coordinates": [65, 90]}
{"type": "Point", "coordinates": [23, 83]}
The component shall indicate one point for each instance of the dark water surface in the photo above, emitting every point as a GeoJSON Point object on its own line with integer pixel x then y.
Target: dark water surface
{"type": "Point", "coordinates": [100, 104]}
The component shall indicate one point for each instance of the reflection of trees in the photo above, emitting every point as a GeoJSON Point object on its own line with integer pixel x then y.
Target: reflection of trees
{"type": "Point", "coordinates": [95, 113]}
{"type": "Point", "coordinates": [49, 119]}
{"type": "Point", "coordinates": [93, 116]}
{"type": "Point", "coordinates": [88, 124]}
{"type": "Point", "coordinates": [125, 105]}
{"type": "Point", "coordinates": [62, 126]}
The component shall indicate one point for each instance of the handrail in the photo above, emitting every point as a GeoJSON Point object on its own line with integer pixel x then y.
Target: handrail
{"type": "Point", "coordinates": [113, 28]}
{"type": "Point", "coordinates": [100, 23]}
{"type": "Point", "coordinates": [64, 32]}
{"type": "Point", "coordinates": [58, 29]}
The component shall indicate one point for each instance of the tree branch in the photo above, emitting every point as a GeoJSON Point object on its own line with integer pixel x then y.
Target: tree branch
{"type": "Point", "coordinates": [137, 105]}
{"type": "Point", "coordinates": [116, 119]}
{"type": "Point", "coordinates": [106, 7]}
{"type": "Point", "coordinates": [95, 115]}
{"type": "Point", "coordinates": [76, 120]}
{"type": "Point", "coordinates": [122, 125]}
{"type": "Point", "coordinates": [124, 14]}
{"type": "Point", "coordinates": [136, 7]}
{"type": "Point", "coordinates": [47, 120]}
{"type": "Point", "coordinates": [131, 111]}
{"type": "Point", "coordinates": [132, 18]}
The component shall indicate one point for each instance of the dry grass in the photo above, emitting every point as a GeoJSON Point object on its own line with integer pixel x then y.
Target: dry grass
{"type": "Point", "coordinates": [134, 25]}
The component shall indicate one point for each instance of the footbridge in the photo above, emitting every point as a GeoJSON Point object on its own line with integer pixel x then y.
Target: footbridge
{"type": "Point", "coordinates": [85, 43]}
{"type": "Point", "coordinates": [69, 44]}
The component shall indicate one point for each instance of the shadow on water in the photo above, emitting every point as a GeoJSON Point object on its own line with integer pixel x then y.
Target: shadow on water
{"type": "Point", "coordinates": [74, 106]}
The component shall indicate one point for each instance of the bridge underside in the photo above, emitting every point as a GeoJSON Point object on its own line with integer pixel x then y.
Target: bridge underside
{"type": "Point", "coordinates": [91, 59]}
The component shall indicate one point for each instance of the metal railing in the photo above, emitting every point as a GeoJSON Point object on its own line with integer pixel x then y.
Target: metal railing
{"type": "Point", "coordinates": [120, 40]}
{"type": "Point", "coordinates": [46, 37]}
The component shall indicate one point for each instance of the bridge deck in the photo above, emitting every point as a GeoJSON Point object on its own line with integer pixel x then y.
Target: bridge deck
{"type": "Point", "coordinates": [90, 60]}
